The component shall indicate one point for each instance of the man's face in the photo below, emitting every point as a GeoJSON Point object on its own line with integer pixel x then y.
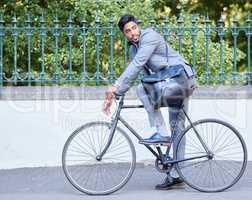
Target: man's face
{"type": "Point", "coordinates": [131, 31]}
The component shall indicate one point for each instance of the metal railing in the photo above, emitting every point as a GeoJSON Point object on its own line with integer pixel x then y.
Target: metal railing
{"type": "Point", "coordinates": [35, 53]}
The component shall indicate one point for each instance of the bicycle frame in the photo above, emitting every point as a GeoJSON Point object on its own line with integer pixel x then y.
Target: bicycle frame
{"type": "Point", "coordinates": [159, 155]}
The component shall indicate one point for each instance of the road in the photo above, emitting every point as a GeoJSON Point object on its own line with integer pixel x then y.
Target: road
{"type": "Point", "coordinates": [49, 183]}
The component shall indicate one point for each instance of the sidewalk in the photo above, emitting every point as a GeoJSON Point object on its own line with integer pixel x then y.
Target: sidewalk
{"type": "Point", "coordinates": [50, 184]}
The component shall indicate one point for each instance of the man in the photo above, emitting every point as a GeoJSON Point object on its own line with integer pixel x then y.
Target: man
{"type": "Point", "coordinates": [150, 53]}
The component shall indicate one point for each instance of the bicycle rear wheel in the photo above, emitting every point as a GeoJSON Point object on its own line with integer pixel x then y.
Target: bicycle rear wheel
{"type": "Point", "coordinates": [223, 168]}
{"type": "Point", "coordinates": [98, 177]}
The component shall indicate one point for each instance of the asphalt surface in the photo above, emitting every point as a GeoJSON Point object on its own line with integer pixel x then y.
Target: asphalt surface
{"type": "Point", "coordinates": [50, 183]}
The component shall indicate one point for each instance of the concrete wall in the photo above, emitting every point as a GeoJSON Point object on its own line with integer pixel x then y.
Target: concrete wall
{"type": "Point", "coordinates": [35, 122]}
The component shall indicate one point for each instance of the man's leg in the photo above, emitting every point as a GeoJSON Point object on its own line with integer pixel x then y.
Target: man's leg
{"type": "Point", "coordinates": [177, 125]}
{"type": "Point", "coordinates": [155, 116]}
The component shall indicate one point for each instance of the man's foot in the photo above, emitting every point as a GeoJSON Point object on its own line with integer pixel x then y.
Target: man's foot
{"type": "Point", "coordinates": [156, 138]}
{"type": "Point", "coordinates": [169, 182]}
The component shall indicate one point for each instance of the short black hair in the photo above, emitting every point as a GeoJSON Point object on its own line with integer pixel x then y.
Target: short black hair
{"type": "Point", "coordinates": [125, 19]}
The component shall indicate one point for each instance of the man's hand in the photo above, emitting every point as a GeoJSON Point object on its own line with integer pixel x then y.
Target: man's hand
{"type": "Point", "coordinates": [109, 96]}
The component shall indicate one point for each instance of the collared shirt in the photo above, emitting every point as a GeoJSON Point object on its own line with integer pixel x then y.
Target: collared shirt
{"type": "Point", "coordinates": [151, 52]}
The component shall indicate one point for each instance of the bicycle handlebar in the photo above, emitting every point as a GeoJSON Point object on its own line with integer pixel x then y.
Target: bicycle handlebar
{"type": "Point", "coordinates": [121, 97]}
{"type": "Point", "coordinates": [117, 95]}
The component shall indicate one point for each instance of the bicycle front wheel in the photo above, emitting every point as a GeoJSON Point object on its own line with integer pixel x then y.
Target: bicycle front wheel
{"type": "Point", "coordinates": [91, 175]}
{"type": "Point", "coordinates": [226, 162]}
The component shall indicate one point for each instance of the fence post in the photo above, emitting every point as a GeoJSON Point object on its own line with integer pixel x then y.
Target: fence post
{"type": "Point", "coordinates": [193, 34]}
{"type": "Point", "coordinates": [1, 48]}
{"type": "Point", "coordinates": [56, 34]}
{"type": "Point", "coordinates": [29, 36]}
{"type": "Point", "coordinates": [235, 35]}
{"type": "Point", "coordinates": [42, 48]}
{"type": "Point", "coordinates": [14, 35]}
{"type": "Point", "coordinates": [98, 48]}
{"type": "Point", "coordinates": [207, 37]}
{"type": "Point", "coordinates": [248, 34]}
{"type": "Point", "coordinates": [220, 30]}
{"type": "Point", "coordinates": [165, 30]}
{"type": "Point", "coordinates": [84, 75]}
{"type": "Point", "coordinates": [111, 52]}
{"type": "Point", "coordinates": [180, 31]}
{"type": "Point", "coordinates": [70, 35]}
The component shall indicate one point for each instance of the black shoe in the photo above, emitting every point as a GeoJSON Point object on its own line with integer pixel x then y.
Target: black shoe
{"type": "Point", "coordinates": [156, 139]}
{"type": "Point", "coordinates": [169, 182]}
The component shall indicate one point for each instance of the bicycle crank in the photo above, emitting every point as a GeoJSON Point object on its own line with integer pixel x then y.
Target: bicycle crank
{"type": "Point", "coordinates": [162, 168]}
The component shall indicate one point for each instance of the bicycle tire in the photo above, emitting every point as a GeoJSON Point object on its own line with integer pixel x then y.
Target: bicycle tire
{"type": "Point", "coordinates": [228, 163]}
{"type": "Point", "coordinates": [94, 133]}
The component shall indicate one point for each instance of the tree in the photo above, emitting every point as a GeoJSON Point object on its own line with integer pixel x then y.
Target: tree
{"type": "Point", "coordinates": [95, 44]}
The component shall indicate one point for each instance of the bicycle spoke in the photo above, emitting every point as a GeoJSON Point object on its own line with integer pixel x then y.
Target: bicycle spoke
{"type": "Point", "coordinates": [90, 175]}
{"type": "Point", "coordinates": [225, 164]}
{"type": "Point", "coordinates": [217, 137]}
{"type": "Point", "coordinates": [80, 151]}
{"type": "Point", "coordinates": [221, 148]}
{"type": "Point", "coordinates": [223, 140]}
{"type": "Point", "coordinates": [81, 146]}
{"type": "Point", "coordinates": [193, 164]}
{"type": "Point", "coordinates": [113, 149]}
{"type": "Point", "coordinates": [101, 177]}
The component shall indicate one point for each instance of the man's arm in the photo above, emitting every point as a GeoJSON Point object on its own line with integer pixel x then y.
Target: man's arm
{"type": "Point", "coordinates": [109, 96]}
{"type": "Point", "coordinates": [149, 42]}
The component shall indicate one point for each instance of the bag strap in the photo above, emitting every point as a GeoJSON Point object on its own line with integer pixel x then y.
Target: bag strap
{"type": "Point", "coordinates": [147, 68]}
{"type": "Point", "coordinates": [166, 49]}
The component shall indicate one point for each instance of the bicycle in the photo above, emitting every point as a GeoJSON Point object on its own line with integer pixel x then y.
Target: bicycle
{"type": "Point", "coordinates": [99, 158]}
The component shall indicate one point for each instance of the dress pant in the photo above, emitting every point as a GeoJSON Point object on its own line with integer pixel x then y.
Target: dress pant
{"type": "Point", "coordinates": [176, 114]}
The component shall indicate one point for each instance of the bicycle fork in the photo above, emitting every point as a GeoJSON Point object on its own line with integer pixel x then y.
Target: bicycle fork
{"type": "Point", "coordinates": [112, 132]}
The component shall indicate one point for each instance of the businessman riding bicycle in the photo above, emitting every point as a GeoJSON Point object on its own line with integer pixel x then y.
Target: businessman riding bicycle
{"type": "Point", "coordinates": [167, 76]}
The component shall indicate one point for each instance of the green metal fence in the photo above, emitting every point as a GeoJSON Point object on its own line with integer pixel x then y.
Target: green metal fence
{"type": "Point", "coordinates": [36, 52]}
